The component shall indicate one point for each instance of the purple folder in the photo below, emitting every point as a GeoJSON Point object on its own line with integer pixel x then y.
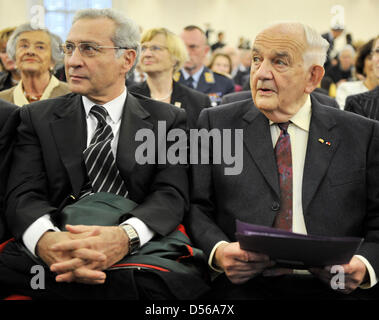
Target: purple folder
{"type": "Point", "coordinates": [295, 250]}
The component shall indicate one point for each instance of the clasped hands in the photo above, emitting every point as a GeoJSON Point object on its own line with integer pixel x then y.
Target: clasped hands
{"type": "Point", "coordinates": [83, 252]}
{"type": "Point", "coordinates": [240, 266]}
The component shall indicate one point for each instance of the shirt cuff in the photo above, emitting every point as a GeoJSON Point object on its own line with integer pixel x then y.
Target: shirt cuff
{"type": "Point", "coordinates": [371, 272]}
{"type": "Point", "coordinates": [35, 231]}
{"type": "Point", "coordinates": [145, 234]}
{"type": "Point", "coordinates": [211, 255]}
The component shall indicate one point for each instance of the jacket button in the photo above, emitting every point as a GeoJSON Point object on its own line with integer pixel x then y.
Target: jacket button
{"type": "Point", "coordinates": [275, 206]}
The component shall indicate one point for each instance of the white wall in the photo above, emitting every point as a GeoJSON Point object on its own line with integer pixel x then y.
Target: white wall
{"type": "Point", "coordinates": [246, 17]}
{"type": "Point", "coordinates": [235, 17]}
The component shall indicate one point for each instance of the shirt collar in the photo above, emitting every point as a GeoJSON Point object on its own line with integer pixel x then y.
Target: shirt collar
{"type": "Point", "coordinates": [113, 107]}
{"type": "Point", "coordinates": [302, 118]}
{"type": "Point", "coordinates": [196, 76]}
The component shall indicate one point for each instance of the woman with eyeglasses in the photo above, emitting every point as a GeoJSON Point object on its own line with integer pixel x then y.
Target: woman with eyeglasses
{"type": "Point", "coordinates": [162, 54]}
{"type": "Point", "coordinates": [36, 53]}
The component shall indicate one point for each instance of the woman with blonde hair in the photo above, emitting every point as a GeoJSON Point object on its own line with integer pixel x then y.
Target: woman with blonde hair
{"type": "Point", "coordinates": [162, 54]}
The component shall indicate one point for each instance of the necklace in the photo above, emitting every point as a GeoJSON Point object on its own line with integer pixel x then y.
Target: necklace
{"type": "Point", "coordinates": [31, 98]}
{"type": "Point", "coordinates": [164, 98]}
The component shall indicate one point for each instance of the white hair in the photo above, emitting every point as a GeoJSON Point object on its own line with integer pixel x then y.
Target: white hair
{"type": "Point", "coordinates": [316, 46]}
{"type": "Point", "coordinates": [126, 34]}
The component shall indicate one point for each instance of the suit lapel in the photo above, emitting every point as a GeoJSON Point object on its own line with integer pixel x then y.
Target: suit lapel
{"type": "Point", "coordinates": [70, 134]}
{"type": "Point", "coordinates": [258, 142]}
{"type": "Point", "coordinates": [133, 119]}
{"type": "Point", "coordinates": [322, 144]}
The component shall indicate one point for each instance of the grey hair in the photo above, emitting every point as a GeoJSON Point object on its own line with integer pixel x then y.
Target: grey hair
{"type": "Point", "coordinates": [127, 33]}
{"type": "Point", "coordinates": [55, 42]}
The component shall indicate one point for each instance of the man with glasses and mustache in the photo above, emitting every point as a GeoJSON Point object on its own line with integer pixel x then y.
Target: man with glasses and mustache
{"type": "Point", "coordinates": [58, 150]}
{"type": "Point", "coordinates": [307, 168]}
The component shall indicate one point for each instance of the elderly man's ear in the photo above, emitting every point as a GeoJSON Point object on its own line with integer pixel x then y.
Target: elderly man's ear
{"type": "Point", "coordinates": [314, 77]}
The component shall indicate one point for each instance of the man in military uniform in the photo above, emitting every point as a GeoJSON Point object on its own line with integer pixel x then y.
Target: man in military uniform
{"type": "Point", "coordinates": [195, 74]}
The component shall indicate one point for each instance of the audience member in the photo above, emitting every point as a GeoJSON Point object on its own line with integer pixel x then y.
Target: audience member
{"type": "Point", "coordinates": [9, 75]}
{"type": "Point", "coordinates": [363, 68]}
{"type": "Point", "coordinates": [344, 70]}
{"type": "Point", "coordinates": [195, 74]}
{"type": "Point", "coordinates": [341, 72]}
{"type": "Point", "coordinates": [58, 139]}
{"type": "Point", "coordinates": [163, 54]}
{"type": "Point", "coordinates": [367, 103]}
{"type": "Point", "coordinates": [326, 190]}
{"type": "Point", "coordinates": [233, 53]}
{"type": "Point", "coordinates": [221, 63]}
{"type": "Point", "coordinates": [220, 41]}
{"type": "Point", "coordinates": [35, 51]}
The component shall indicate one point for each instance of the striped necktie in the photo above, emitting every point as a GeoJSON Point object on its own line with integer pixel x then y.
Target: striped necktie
{"type": "Point", "coordinates": [99, 159]}
{"type": "Point", "coordinates": [284, 163]}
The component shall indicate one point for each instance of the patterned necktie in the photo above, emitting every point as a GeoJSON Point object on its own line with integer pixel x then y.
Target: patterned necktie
{"type": "Point", "coordinates": [99, 159]}
{"type": "Point", "coordinates": [284, 163]}
{"type": "Point", "coordinates": [189, 82]}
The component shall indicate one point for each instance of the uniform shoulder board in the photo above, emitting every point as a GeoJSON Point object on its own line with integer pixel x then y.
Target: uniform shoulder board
{"type": "Point", "coordinates": [176, 76]}
{"type": "Point", "coordinates": [209, 78]}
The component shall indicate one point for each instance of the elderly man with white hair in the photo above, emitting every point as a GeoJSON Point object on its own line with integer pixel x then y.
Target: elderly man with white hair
{"type": "Point", "coordinates": [307, 168]}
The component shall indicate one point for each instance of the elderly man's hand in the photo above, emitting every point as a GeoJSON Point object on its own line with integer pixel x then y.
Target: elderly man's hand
{"type": "Point", "coordinates": [240, 265]}
{"type": "Point", "coordinates": [110, 243]}
{"type": "Point", "coordinates": [355, 273]}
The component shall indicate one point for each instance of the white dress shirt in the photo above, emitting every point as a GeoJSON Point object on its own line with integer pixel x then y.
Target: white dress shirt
{"type": "Point", "coordinates": [114, 108]}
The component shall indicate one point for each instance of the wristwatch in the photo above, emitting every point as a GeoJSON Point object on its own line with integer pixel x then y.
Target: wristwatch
{"type": "Point", "coordinates": [133, 237]}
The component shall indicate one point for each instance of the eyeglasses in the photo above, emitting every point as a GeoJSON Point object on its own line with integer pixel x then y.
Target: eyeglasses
{"type": "Point", "coordinates": [375, 52]}
{"type": "Point", "coordinates": [85, 48]}
{"type": "Point", "coordinates": [153, 48]}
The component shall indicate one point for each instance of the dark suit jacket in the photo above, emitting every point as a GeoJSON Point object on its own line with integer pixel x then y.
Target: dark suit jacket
{"type": "Point", "coordinates": [190, 100]}
{"type": "Point", "coordinates": [243, 95]}
{"type": "Point", "coordinates": [340, 194]}
{"type": "Point", "coordinates": [215, 85]}
{"type": "Point", "coordinates": [48, 162]}
{"type": "Point", "coordinates": [365, 104]}
{"type": "Point", "coordinates": [9, 120]}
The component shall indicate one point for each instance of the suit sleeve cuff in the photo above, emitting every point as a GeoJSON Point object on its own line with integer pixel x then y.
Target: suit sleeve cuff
{"type": "Point", "coordinates": [35, 231]}
{"type": "Point", "coordinates": [211, 255]}
{"type": "Point", "coordinates": [371, 272]}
